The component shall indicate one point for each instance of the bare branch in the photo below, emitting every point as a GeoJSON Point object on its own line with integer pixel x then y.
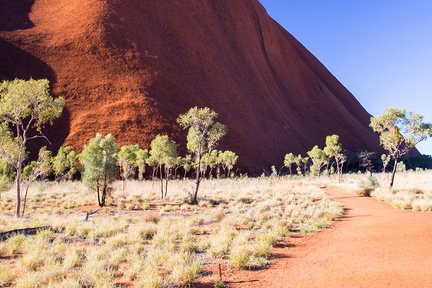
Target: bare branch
{"type": "Point", "coordinates": [39, 136]}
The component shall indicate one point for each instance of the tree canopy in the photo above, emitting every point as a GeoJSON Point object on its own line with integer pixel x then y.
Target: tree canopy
{"type": "Point", "coordinates": [26, 106]}
{"type": "Point", "coordinates": [399, 132]}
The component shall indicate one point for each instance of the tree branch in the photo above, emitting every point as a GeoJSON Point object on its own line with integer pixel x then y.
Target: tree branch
{"type": "Point", "coordinates": [39, 136]}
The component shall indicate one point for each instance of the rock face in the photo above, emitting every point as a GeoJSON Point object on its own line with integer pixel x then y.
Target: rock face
{"type": "Point", "coordinates": [130, 67]}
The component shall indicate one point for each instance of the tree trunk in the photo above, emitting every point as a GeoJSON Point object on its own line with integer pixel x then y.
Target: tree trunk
{"type": "Point", "coordinates": [167, 175]}
{"type": "Point", "coordinates": [18, 185]}
{"type": "Point", "coordinates": [161, 179]}
{"type": "Point", "coordinates": [197, 178]}
{"type": "Point", "coordinates": [25, 200]}
{"type": "Point", "coordinates": [340, 171]}
{"type": "Point", "coordinates": [393, 172]}
{"type": "Point", "coordinates": [104, 192]}
{"type": "Point", "coordinates": [99, 196]}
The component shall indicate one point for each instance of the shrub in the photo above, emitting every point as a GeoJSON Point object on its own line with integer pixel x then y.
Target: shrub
{"type": "Point", "coordinates": [368, 186]}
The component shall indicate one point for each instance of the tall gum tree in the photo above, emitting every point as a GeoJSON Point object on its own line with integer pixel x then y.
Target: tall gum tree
{"type": "Point", "coordinates": [399, 132]}
{"type": "Point", "coordinates": [204, 133]}
{"type": "Point", "coordinates": [26, 106]}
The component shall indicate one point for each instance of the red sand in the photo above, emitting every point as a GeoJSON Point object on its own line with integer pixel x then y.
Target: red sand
{"type": "Point", "coordinates": [130, 67]}
{"type": "Point", "coordinates": [374, 245]}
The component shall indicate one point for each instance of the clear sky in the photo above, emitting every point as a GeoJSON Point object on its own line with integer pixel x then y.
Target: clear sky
{"type": "Point", "coordinates": [381, 50]}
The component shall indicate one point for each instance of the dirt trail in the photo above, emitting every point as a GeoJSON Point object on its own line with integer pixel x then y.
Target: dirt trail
{"type": "Point", "coordinates": [374, 245]}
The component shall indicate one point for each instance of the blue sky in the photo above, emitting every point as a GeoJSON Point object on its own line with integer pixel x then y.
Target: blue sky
{"type": "Point", "coordinates": [380, 50]}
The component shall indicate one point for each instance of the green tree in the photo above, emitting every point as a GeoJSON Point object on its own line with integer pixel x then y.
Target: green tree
{"type": "Point", "coordinates": [305, 162]}
{"type": "Point", "coordinates": [298, 163]}
{"type": "Point", "coordinates": [7, 176]}
{"type": "Point", "coordinates": [65, 163]}
{"type": "Point", "coordinates": [127, 161]}
{"type": "Point", "coordinates": [73, 164]}
{"type": "Point", "coordinates": [228, 160]}
{"type": "Point", "coordinates": [163, 152]}
{"type": "Point", "coordinates": [151, 161]}
{"type": "Point", "coordinates": [209, 162]}
{"type": "Point", "coordinates": [203, 136]}
{"type": "Point", "coordinates": [26, 107]}
{"type": "Point", "coordinates": [319, 160]}
{"type": "Point", "coordinates": [212, 161]}
{"type": "Point", "coordinates": [141, 157]}
{"type": "Point", "coordinates": [385, 161]}
{"type": "Point", "coordinates": [99, 159]}
{"type": "Point", "coordinates": [36, 170]}
{"type": "Point", "coordinates": [186, 164]}
{"type": "Point", "coordinates": [399, 132]}
{"type": "Point", "coordinates": [333, 150]}
{"type": "Point", "coordinates": [289, 160]}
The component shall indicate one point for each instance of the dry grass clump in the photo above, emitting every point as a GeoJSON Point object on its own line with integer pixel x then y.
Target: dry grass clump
{"type": "Point", "coordinates": [7, 276]}
{"type": "Point", "coordinates": [406, 199]}
{"type": "Point", "coordinates": [150, 242]}
{"type": "Point", "coordinates": [412, 191]}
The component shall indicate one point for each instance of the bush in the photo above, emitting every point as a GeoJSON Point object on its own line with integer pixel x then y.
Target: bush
{"type": "Point", "coordinates": [368, 186]}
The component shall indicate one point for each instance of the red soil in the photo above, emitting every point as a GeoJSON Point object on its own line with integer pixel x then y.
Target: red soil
{"type": "Point", "coordinates": [374, 245]}
{"type": "Point", "coordinates": [130, 67]}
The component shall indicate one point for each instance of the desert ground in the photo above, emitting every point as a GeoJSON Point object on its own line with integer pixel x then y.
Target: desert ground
{"type": "Point", "coordinates": [261, 232]}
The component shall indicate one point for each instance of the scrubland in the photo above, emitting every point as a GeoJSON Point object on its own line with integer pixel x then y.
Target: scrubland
{"type": "Point", "coordinates": [412, 190]}
{"type": "Point", "coordinates": [141, 241]}
{"type": "Point", "coordinates": [138, 240]}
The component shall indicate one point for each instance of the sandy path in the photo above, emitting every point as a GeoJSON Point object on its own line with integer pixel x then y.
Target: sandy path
{"type": "Point", "coordinates": [374, 245]}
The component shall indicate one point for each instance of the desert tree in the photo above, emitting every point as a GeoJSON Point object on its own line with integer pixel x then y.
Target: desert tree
{"type": "Point", "coordinates": [212, 161]}
{"type": "Point", "coordinates": [298, 163]}
{"type": "Point", "coordinates": [228, 160]}
{"type": "Point", "coordinates": [127, 162]}
{"type": "Point", "coordinates": [305, 161]}
{"type": "Point", "coordinates": [385, 161]}
{"type": "Point", "coordinates": [99, 159]}
{"type": "Point", "coordinates": [38, 169]}
{"type": "Point", "coordinates": [163, 153]}
{"type": "Point", "coordinates": [141, 157]}
{"type": "Point", "coordinates": [170, 163]}
{"type": "Point", "coordinates": [25, 107]}
{"type": "Point", "coordinates": [366, 160]}
{"type": "Point", "coordinates": [319, 160]}
{"type": "Point", "coordinates": [333, 150]}
{"type": "Point", "coordinates": [204, 133]}
{"type": "Point", "coordinates": [177, 166]}
{"type": "Point", "coordinates": [65, 163]}
{"type": "Point", "coordinates": [151, 161]}
{"type": "Point", "coordinates": [7, 176]}
{"type": "Point", "coordinates": [399, 132]}
{"type": "Point", "coordinates": [187, 164]}
{"type": "Point", "coordinates": [73, 160]}
{"type": "Point", "coordinates": [289, 160]}
{"type": "Point", "coordinates": [209, 162]}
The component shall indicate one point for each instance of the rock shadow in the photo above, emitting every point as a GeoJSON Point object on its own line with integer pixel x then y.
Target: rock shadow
{"type": "Point", "coordinates": [17, 63]}
{"type": "Point", "coordinates": [14, 15]}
